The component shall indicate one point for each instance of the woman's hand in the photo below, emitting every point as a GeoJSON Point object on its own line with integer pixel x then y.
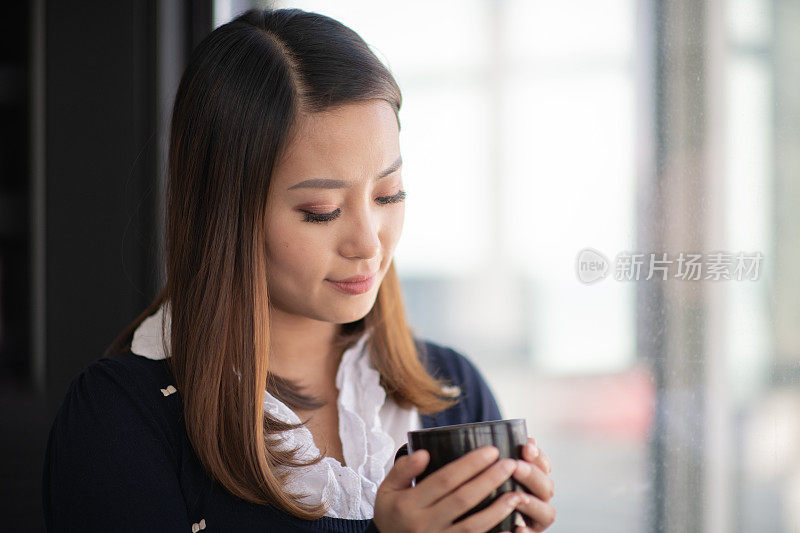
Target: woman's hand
{"type": "Point", "coordinates": [532, 472]}
{"type": "Point", "coordinates": [446, 494]}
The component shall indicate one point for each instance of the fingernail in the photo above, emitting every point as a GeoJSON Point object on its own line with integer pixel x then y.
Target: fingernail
{"type": "Point", "coordinates": [547, 464]}
{"type": "Point", "coordinates": [509, 465]}
{"type": "Point", "coordinates": [514, 500]}
{"type": "Point", "coordinates": [533, 450]}
{"type": "Point", "coordinates": [490, 452]}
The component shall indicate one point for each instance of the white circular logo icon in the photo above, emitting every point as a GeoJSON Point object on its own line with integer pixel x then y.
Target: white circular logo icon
{"type": "Point", "coordinates": [591, 265]}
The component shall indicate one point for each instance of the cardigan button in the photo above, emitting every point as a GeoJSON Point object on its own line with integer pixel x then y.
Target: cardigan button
{"type": "Point", "coordinates": [451, 390]}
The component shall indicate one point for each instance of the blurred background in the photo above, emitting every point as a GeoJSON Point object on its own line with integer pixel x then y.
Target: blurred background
{"type": "Point", "coordinates": [531, 132]}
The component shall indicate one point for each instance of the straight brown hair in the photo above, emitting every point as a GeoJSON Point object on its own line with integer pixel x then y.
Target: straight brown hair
{"type": "Point", "coordinates": [238, 98]}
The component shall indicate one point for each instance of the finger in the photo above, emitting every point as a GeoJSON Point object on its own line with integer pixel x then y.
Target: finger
{"type": "Point", "coordinates": [452, 475]}
{"type": "Point", "coordinates": [543, 514]}
{"type": "Point", "coordinates": [538, 528]}
{"type": "Point", "coordinates": [405, 469]}
{"type": "Point", "coordinates": [534, 454]}
{"type": "Point", "coordinates": [474, 491]}
{"type": "Point", "coordinates": [546, 461]}
{"type": "Point", "coordinates": [524, 528]}
{"type": "Point", "coordinates": [534, 480]}
{"type": "Point", "coordinates": [487, 518]}
{"type": "Point", "coordinates": [530, 451]}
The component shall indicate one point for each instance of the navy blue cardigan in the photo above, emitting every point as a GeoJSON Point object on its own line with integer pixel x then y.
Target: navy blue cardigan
{"type": "Point", "coordinates": [118, 457]}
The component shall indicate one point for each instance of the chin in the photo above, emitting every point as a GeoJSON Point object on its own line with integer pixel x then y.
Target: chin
{"type": "Point", "coordinates": [346, 315]}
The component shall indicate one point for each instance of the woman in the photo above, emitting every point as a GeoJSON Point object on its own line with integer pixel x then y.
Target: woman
{"type": "Point", "coordinates": [284, 207]}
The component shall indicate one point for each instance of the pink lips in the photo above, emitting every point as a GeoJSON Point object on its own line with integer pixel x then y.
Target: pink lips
{"type": "Point", "coordinates": [355, 285]}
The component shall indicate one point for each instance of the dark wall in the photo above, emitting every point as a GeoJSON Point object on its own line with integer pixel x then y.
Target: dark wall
{"type": "Point", "coordinates": [79, 247]}
{"type": "Point", "coordinates": [100, 177]}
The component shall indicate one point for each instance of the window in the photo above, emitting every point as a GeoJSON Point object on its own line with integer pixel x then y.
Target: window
{"type": "Point", "coordinates": [533, 130]}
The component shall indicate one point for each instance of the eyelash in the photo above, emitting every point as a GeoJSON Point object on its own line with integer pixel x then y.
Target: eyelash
{"type": "Point", "coordinates": [327, 217]}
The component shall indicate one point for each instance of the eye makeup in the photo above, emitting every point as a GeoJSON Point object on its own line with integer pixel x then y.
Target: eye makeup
{"type": "Point", "coordinates": [327, 217]}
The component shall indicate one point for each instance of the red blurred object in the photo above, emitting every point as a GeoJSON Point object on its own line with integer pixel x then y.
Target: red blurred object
{"type": "Point", "coordinates": [609, 405]}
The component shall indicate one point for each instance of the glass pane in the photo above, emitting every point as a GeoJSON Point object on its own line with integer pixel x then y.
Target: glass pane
{"type": "Point", "coordinates": [534, 130]}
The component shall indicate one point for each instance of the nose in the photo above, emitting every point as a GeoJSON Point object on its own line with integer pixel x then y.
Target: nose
{"type": "Point", "coordinates": [362, 240]}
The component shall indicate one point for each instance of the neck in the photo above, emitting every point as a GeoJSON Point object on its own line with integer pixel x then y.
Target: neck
{"type": "Point", "coordinates": [303, 350]}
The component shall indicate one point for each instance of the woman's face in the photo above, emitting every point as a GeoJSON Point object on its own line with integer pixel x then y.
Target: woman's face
{"type": "Point", "coordinates": [334, 211]}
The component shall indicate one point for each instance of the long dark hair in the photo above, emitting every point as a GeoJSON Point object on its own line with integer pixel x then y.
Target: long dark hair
{"type": "Point", "coordinates": [238, 99]}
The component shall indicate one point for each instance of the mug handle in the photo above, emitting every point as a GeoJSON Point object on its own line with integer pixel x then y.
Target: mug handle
{"type": "Point", "coordinates": [403, 450]}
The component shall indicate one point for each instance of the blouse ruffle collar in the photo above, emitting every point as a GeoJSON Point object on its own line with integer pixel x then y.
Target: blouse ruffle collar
{"type": "Point", "coordinates": [367, 447]}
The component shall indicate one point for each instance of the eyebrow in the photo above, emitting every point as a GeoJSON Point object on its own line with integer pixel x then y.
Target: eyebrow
{"type": "Point", "coordinates": [328, 183]}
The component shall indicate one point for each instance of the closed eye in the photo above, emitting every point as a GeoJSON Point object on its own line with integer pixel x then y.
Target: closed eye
{"type": "Point", "coordinates": [399, 197]}
{"type": "Point", "coordinates": [327, 217]}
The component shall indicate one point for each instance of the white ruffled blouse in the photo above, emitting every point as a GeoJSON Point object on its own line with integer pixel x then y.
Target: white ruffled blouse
{"type": "Point", "coordinates": [371, 426]}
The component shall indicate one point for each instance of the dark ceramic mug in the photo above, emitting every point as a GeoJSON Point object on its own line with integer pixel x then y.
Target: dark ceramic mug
{"type": "Point", "coordinates": [448, 443]}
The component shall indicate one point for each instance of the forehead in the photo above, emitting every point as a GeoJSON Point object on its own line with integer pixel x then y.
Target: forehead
{"type": "Point", "coordinates": [349, 142]}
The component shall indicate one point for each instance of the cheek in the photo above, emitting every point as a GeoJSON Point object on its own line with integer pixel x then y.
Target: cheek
{"type": "Point", "coordinates": [393, 229]}
{"type": "Point", "coordinates": [294, 255]}
{"type": "Point", "coordinates": [289, 248]}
